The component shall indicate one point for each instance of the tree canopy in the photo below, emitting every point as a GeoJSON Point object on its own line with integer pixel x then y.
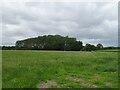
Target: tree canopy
{"type": "Point", "coordinates": [99, 46]}
{"type": "Point", "coordinates": [89, 47]}
{"type": "Point", "coordinates": [53, 42]}
{"type": "Point", "coordinates": [50, 42]}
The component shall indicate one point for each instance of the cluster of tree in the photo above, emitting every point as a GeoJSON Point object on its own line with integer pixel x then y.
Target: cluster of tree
{"type": "Point", "coordinates": [111, 47]}
{"type": "Point", "coordinates": [54, 42]}
{"type": "Point", "coordinates": [7, 48]}
{"type": "Point", "coordinates": [0, 47]}
{"type": "Point", "coordinates": [89, 47]}
{"type": "Point", "coordinates": [50, 42]}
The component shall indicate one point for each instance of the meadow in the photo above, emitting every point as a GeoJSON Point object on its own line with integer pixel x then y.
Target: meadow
{"type": "Point", "coordinates": [0, 69]}
{"type": "Point", "coordinates": [59, 69]}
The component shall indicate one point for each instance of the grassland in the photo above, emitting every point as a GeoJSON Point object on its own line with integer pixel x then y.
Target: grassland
{"type": "Point", "coordinates": [59, 69]}
{"type": "Point", "coordinates": [0, 69]}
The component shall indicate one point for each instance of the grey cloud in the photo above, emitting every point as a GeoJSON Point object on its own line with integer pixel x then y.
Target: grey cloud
{"type": "Point", "coordinates": [90, 22]}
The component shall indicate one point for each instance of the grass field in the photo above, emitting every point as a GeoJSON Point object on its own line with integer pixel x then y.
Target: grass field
{"type": "Point", "coordinates": [59, 69]}
{"type": "Point", "coordinates": [0, 69]}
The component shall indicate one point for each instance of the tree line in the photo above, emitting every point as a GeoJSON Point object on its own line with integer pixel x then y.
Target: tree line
{"type": "Point", "coordinates": [53, 42]}
{"type": "Point", "coordinates": [50, 42]}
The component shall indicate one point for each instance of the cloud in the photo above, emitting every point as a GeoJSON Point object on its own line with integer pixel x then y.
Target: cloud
{"type": "Point", "coordinates": [90, 22]}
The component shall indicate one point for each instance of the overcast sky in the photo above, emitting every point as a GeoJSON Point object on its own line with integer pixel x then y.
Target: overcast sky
{"type": "Point", "coordinates": [90, 22]}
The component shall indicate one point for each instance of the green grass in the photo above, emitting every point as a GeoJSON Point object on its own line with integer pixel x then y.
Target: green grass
{"type": "Point", "coordinates": [109, 50]}
{"type": "Point", "coordinates": [29, 69]}
{"type": "Point", "coordinates": [0, 69]}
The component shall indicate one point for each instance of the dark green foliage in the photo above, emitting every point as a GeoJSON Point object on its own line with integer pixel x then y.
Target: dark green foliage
{"type": "Point", "coordinates": [0, 47]}
{"type": "Point", "coordinates": [107, 48]}
{"type": "Point", "coordinates": [72, 45]}
{"type": "Point", "coordinates": [89, 47]}
{"type": "Point", "coordinates": [99, 46]}
{"type": "Point", "coordinates": [7, 48]}
{"type": "Point", "coordinates": [50, 42]}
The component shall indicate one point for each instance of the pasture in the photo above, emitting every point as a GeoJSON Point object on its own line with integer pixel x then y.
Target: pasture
{"type": "Point", "coordinates": [59, 69]}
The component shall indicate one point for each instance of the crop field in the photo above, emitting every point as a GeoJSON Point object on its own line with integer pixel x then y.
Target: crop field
{"type": "Point", "coordinates": [59, 69]}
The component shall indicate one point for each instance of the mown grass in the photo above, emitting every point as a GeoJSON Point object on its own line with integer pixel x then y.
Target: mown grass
{"type": "Point", "coordinates": [28, 69]}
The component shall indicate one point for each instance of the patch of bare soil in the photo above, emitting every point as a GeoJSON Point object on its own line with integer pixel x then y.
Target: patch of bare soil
{"type": "Point", "coordinates": [82, 82]}
{"type": "Point", "coordinates": [48, 84]}
{"type": "Point", "coordinates": [107, 83]}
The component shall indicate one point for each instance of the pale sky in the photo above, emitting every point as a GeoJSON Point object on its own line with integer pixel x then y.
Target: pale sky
{"type": "Point", "coordinates": [90, 22]}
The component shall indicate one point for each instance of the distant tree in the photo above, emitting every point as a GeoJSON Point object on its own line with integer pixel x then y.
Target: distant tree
{"type": "Point", "coordinates": [89, 47]}
{"type": "Point", "coordinates": [8, 47]}
{"type": "Point", "coordinates": [0, 47]}
{"type": "Point", "coordinates": [76, 46]}
{"type": "Point", "coordinates": [93, 47]}
{"type": "Point", "coordinates": [111, 47]}
{"type": "Point", "coordinates": [99, 46]}
{"type": "Point", "coordinates": [50, 42]}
